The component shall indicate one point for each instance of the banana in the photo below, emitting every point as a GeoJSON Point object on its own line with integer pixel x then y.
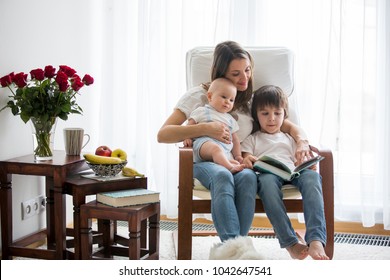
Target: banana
{"type": "Point", "coordinates": [131, 172]}
{"type": "Point", "coordinates": [95, 159]}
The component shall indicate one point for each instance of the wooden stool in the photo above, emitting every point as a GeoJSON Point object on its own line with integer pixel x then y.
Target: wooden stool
{"type": "Point", "coordinates": [79, 188]}
{"type": "Point", "coordinates": [136, 216]}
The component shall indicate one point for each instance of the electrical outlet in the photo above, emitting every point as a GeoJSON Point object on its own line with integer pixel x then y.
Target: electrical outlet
{"type": "Point", "coordinates": [42, 203]}
{"type": "Point", "coordinates": [27, 208]}
{"type": "Point", "coordinates": [33, 206]}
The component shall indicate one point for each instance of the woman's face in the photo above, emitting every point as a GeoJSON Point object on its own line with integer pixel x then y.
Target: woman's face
{"type": "Point", "coordinates": [239, 72]}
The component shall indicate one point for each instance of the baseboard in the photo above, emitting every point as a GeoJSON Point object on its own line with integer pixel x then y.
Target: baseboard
{"type": "Point", "coordinates": [340, 227]}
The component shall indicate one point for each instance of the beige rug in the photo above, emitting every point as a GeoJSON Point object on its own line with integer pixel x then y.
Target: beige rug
{"type": "Point", "coordinates": [269, 248]}
{"type": "Point", "coordinates": [351, 262]}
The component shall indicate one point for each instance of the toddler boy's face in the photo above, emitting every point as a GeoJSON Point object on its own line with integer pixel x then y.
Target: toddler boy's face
{"type": "Point", "coordinates": [270, 119]}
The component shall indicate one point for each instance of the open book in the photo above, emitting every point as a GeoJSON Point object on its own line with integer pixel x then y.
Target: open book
{"type": "Point", "coordinates": [271, 165]}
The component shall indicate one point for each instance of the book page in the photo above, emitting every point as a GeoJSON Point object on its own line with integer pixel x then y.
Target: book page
{"type": "Point", "coordinates": [308, 163]}
{"type": "Point", "coordinates": [275, 162]}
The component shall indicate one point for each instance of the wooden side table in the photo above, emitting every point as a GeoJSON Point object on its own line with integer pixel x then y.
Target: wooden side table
{"type": "Point", "coordinates": [135, 216]}
{"type": "Point", "coordinates": [79, 187]}
{"type": "Point", "coordinates": [55, 172]}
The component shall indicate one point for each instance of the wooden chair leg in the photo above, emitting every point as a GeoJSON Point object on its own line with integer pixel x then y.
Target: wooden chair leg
{"type": "Point", "coordinates": [85, 238]}
{"type": "Point", "coordinates": [154, 235]}
{"type": "Point", "coordinates": [144, 229]}
{"type": "Point", "coordinates": [134, 245]}
{"type": "Point", "coordinates": [108, 229]}
{"type": "Point", "coordinates": [184, 247]}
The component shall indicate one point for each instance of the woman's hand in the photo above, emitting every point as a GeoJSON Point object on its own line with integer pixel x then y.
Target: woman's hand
{"type": "Point", "coordinates": [172, 131]}
{"type": "Point", "coordinates": [219, 131]}
{"type": "Point", "coordinates": [239, 159]}
{"type": "Point", "coordinates": [187, 143]}
{"type": "Point", "coordinates": [303, 152]}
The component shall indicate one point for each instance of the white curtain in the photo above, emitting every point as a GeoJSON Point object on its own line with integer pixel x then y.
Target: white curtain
{"type": "Point", "coordinates": [382, 134]}
{"type": "Point", "coordinates": [343, 92]}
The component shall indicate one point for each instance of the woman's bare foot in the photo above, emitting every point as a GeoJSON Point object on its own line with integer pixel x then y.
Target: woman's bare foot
{"type": "Point", "coordinates": [298, 251]}
{"type": "Point", "coordinates": [316, 251]}
{"type": "Point", "coordinates": [237, 168]}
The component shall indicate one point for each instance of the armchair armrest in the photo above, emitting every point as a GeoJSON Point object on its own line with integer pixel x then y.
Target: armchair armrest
{"type": "Point", "coordinates": [186, 174]}
{"type": "Point", "coordinates": [326, 171]}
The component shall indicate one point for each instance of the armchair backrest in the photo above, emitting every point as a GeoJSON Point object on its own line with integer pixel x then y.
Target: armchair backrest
{"type": "Point", "coordinates": [272, 65]}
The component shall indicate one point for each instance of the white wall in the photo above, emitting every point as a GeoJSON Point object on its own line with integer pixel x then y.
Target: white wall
{"type": "Point", "coordinates": [35, 34]}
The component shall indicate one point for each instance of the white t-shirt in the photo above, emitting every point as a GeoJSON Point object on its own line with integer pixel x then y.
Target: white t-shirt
{"type": "Point", "coordinates": [279, 145]}
{"type": "Point", "coordinates": [197, 97]}
{"type": "Point", "coordinates": [207, 113]}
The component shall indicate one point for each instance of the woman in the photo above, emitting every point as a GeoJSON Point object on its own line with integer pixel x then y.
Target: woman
{"type": "Point", "coordinates": [232, 195]}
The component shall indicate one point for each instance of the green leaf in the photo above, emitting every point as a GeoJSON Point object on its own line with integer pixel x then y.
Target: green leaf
{"type": "Point", "coordinates": [14, 110]}
{"type": "Point", "coordinates": [24, 117]}
{"type": "Point", "coordinates": [66, 108]}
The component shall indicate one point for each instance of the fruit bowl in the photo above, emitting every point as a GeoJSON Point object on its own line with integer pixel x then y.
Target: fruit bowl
{"type": "Point", "coordinates": [107, 170]}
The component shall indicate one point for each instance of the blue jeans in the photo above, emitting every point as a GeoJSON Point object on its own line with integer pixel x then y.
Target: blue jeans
{"type": "Point", "coordinates": [309, 184]}
{"type": "Point", "coordinates": [233, 198]}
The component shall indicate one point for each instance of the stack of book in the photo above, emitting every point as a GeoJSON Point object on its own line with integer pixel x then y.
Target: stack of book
{"type": "Point", "coordinates": [128, 197]}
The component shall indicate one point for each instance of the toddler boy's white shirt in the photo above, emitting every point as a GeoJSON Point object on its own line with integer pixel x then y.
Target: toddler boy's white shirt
{"type": "Point", "coordinates": [280, 146]}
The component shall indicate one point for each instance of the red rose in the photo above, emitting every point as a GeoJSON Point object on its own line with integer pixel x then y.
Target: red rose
{"type": "Point", "coordinates": [50, 71]}
{"type": "Point", "coordinates": [37, 74]}
{"type": "Point", "coordinates": [76, 83]}
{"type": "Point", "coordinates": [6, 80]}
{"type": "Point", "coordinates": [62, 81]}
{"type": "Point", "coordinates": [88, 80]}
{"type": "Point", "coordinates": [61, 77]}
{"type": "Point", "coordinates": [20, 80]}
{"type": "Point", "coordinates": [63, 86]}
{"type": "Point", "coordinates": [67, 70]}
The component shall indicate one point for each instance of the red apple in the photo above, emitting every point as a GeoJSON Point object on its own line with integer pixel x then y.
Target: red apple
{"type": "Point", "coordinates": [103, 151]}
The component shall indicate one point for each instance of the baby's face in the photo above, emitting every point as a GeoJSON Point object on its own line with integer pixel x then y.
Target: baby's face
{"type": "Point", "coordinates": [222, 99]}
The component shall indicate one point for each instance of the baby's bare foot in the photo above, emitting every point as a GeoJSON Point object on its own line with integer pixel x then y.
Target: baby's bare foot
{"type": "Point", "coordinates": [316, 251]}
{"type": "Point", "coordinates": [298, 251]}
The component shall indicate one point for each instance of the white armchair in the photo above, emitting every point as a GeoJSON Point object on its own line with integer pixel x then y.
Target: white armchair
{"type": "Point", "coordinates": [271, 66]}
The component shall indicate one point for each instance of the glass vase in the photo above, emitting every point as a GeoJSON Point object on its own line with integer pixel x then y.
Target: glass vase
{"type": "Point", "coordinates": [43, 137]}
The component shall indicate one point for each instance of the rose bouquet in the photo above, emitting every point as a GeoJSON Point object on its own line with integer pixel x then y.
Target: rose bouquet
{"type": "Point", "coordinates": [48, 94]}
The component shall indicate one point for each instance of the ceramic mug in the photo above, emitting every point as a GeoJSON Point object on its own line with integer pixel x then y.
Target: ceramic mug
{"type": "Point", "coordinates": [74, 138]}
